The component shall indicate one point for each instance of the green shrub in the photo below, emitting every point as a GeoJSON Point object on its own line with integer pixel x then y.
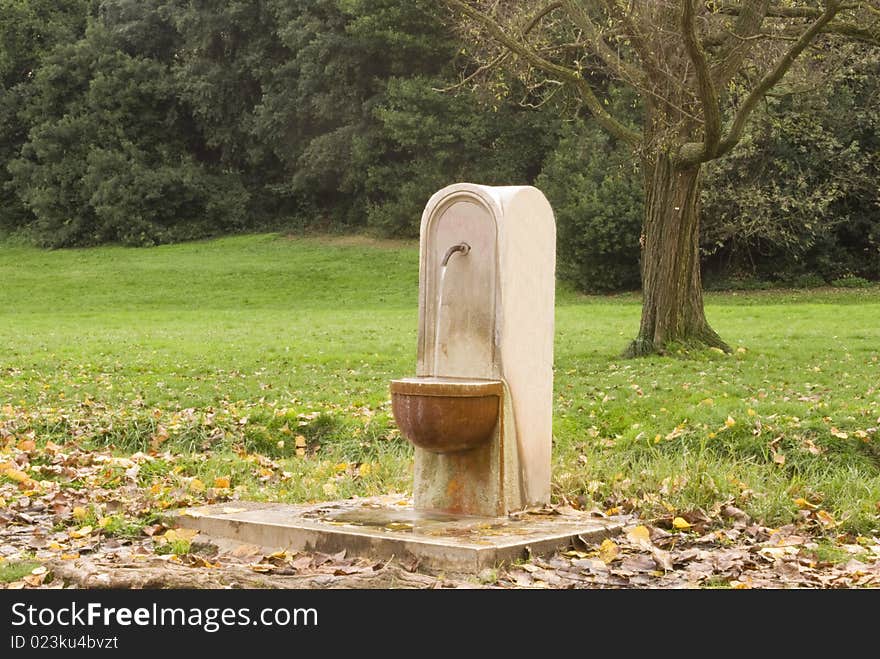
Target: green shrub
{"type": "Point", "coordinates": [851, 281]}
{"type": "Point", "coordinates": [596, 193]}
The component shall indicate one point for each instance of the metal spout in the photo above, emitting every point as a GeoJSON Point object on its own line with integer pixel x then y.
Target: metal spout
{"type": "Point", "coordinates": [464, 248]}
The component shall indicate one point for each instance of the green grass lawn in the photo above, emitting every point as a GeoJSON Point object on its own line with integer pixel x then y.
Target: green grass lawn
{"type": "Point", "coordinates": [226, 351]}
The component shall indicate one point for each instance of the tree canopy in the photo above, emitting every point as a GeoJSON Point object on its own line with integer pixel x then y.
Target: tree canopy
{"type": "Point", "coordinates": [141, 122]}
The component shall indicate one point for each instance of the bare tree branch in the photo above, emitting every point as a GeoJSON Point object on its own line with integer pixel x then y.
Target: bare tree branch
{"type": "Point", "coordinates": [869, 32]}
{"type": "Point", "coordinates": [634, 33]}
{"type": "Point", "coordinates": [609, 57]}
{"type": "Point", "coordinates": [739, 43]}
{"type": "Point", "coordinates": [594, 105]}
{"type": "Point", "coordinates": [693, 153]}
{"type": "Point", "coordinates": [495, 62]}
{"type": "Point", "coordinates": [707, 93]}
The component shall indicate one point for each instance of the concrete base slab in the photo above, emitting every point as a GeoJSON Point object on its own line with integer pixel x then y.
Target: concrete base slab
{"type": "Point", "coordinates": [388, 527]}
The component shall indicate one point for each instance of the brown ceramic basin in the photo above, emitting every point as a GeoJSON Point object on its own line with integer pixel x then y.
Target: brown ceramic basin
{"type": "Point", "coordinates": [445, 415]}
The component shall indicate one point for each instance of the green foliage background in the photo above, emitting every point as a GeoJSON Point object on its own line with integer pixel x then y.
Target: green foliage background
{"type": "Point", "coordinates": [140, 122]}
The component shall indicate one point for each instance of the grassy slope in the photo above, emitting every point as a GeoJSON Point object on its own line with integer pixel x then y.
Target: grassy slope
{"type": "Point", "coordinates": [120, 342]}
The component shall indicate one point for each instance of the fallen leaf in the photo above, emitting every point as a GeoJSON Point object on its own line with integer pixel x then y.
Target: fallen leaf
{"type": "Point", "coordinates": [640, 535]}
{"type": "Point", "coordinates": [681, 523]}
{"type": "Point", "coordinates": [81, 532]}
{"type": "Point", "coordinates": [827, 519]}
{"type": "Point", "coordinates": [221, 482]}
{"type": "Point", "coordinates": [662, 558]}
{"type": "Point", "coordinates": [804, 504]}
{"type": "Point", "coordinates": [608, 551]}
{"type": "Point", "coordinates": [196, 485]}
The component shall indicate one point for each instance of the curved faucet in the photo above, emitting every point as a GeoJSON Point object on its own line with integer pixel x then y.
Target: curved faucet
{"type": "Point", "coordinates": [464, 248]}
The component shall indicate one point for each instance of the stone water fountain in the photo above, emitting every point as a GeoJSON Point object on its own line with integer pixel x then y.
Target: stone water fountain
{"type": "Point", "coordinates": [478, 408]}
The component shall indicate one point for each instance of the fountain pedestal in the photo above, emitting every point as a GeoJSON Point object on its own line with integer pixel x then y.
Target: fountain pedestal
{"type": "Point", "coordinates": [486, 307]}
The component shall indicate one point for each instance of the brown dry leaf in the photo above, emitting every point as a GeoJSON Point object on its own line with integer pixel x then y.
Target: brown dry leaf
{"type": "Point", "coordinates": [262, 567]}
{"type": "Point", "coordinates": [608, 551]}
{"type": "Point", "coordinates": [662, 558]}
{"type": "Point", "coordinates": [778, 458]}
{"type": "Point", "coordinates": [301, 563]}
{"type": "Point", "coordinates": [737, 515]}
{"type": "Point", "coordinates": [34, 579]}
{"type": "Point", "coordinates": [27, 445]}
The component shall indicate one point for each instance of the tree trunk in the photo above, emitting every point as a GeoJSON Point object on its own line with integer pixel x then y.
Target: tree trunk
{"type": "Point", "coordinates": [672, 307]}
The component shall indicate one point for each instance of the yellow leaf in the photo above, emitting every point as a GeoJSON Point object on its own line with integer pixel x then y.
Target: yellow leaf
{"type": "Point", "coordinates": [731, 422]}
{"type": "Point", "coordinates": [104, 521]}
{"type": "Point", "coordinates": [196, 485]}
{"type": "Point", "coordinates": [81, 532]}
{"type": "Point", "coordinates": [221, 482]}
{"type": "Point", "coordinates": [751, 412]}
{"type": "Point", "coordinates": [739, 585]}
{"type": "Point", "coordinates": [608, 551]}
{"type": "Point", "coordinates": [827, 519]}
{"type": "Point", "coordinates": [639, 535]}
{"type": "Point", "coordinates": [69, 557]}
{"type": "Point", "coordinates": [342, 466]}
{"type": "Point", "coordinates": [16, 474]}
{"type": "Point", "coordinates": [573, 553]}
{"type": "Point", "coordinates": [364, 469]}
{"type": "Point", "coordinates": [803, 503]}
{"type": "Point", "coordinates": [681, 523]}
{"type": "Point", "coordinates": [80, 513]}
{"type": "Point", "coordinates": [300, 441]}
{"type": "Point", "coordinates": [839, 433]}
